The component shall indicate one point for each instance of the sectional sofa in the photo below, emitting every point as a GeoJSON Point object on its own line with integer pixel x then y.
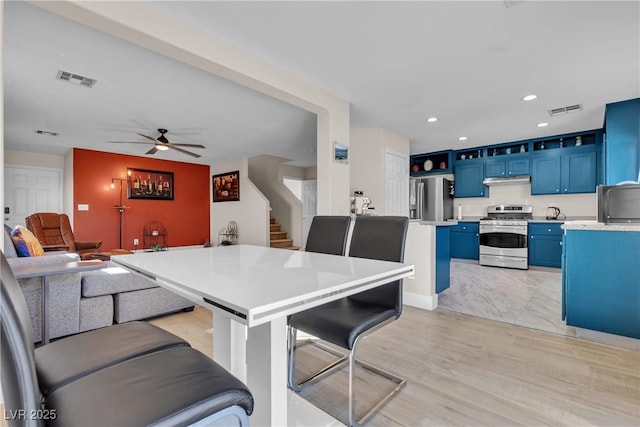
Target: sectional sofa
{"type": "Point", "coordinates": [80, 302]}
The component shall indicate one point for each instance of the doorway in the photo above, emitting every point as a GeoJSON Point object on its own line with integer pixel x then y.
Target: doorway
{"type": "Point", "coordinates": [28, 190]}
{"type": "Point", "coordinates": [306, 191]}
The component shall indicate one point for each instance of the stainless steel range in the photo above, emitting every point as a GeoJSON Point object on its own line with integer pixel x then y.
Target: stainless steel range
{"type": "Point", "coordinates": [504, 236]}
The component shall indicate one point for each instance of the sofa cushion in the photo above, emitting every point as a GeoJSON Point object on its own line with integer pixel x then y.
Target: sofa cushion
{"type": "Point", "coordinates": [147, 303]}
{"type": "Point", "coordinates": [26, 243]}
{"type": "Point", "coordinates": [112, 280]}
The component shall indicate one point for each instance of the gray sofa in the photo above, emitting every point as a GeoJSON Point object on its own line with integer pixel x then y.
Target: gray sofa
{"type": "Point", "coordinates": [80, 302]}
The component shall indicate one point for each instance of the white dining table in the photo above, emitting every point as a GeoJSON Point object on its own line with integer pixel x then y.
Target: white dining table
{"type": "Point", "coordinates": [251, 290]}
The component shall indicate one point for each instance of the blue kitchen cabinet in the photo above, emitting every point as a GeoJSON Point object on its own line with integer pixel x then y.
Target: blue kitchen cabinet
{"type": "Point", "coordinates": [601, 286]}
{"type": "Point", "coordinates": [622, 145]}
{"type": "Point", "coordinates": [469, 175]}
{"type": "Point", "coordinates": [545, 173]}
{"type": "Point", "coordinates": [566, 164]}
{"type": "Point", "coordinates": [465, 240]}
{"type": "Point", "coordinates": [443, 258]}
{"type": "Point", "coordinates": [568, 172]}
{"type": "Point", "coordinates": [431, 163]}
{"type": "Point", "coordinates": [495, 168]}
{"type": "Point", "coordinates": [579, 174]}
{"type": "Point", "coordinates": [545, 244]}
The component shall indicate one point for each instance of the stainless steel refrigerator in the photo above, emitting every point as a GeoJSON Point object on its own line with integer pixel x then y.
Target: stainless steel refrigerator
{"type": "Point", "coordinates": [431, 198]}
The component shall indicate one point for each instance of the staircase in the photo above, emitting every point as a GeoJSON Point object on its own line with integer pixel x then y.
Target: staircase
{"type": "Point", "coordinates": [278, 238]}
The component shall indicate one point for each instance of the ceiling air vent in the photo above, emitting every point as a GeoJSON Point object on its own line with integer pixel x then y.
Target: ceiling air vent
{"type": "Point", "coordinates": [46, 132]}
{"type": "Point", "coordinates": [76, 79]}
{"type": "Point", "coordinates": [565, 110]}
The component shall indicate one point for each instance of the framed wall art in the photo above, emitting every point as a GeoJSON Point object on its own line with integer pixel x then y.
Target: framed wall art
{"type": "Point", "coordinates": [150, 184]}
{"type": "Point", "coordinates": [340, 153]}
{"type": "Point", "coordinates": [226, 187]}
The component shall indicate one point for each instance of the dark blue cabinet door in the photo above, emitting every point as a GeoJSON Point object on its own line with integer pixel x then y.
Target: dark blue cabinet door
{"type": "Point", "coordinates": [443, 257]}
{"type": "Point", "coordinates": [623, 141]}
{"type": "Point", "coordinates": [579, 173]}
{"type": "Point", "coordinates": [465, 245]}
{"type": "Point", "coordinates": [468, 181]}
{"type": "Point", "coordinates": [495, 168]}
{"type": "Point", "coordinates": [601, 281]}
{"type": "Point", "coordinates": [545, 174]}
{"type": "Point", "coordinates": [545, 250]}
{"type": "Point", "coordinates": [518, 167]}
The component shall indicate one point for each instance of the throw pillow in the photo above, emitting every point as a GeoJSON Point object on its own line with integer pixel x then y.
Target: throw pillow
{"type": "Point", "coordinates": [26, 243]}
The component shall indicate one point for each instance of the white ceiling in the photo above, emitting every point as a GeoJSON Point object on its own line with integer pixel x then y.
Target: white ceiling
{"type": "Point", "coordinates": [397, 63]}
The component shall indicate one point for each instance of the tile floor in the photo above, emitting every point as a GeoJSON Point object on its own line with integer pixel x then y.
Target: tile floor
{"type": "Point", "coordinates": [530, 298]}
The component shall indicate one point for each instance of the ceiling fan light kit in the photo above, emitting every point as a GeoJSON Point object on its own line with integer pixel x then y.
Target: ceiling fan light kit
{"type": "Point", "coordinates": [161, 143]}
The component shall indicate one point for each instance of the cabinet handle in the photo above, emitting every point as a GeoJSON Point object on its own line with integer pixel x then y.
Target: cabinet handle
{"type": "Point", "coordinates": [565, 190]}
{"type": "Point", "coordinates": [549, 230]}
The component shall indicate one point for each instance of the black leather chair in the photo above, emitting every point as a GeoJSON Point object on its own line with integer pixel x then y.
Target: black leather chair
{"type": "Point", "coordinates": [127, 376]}
{"type": "Point", "coordinates": [328, 234]}
{"type": "Point", "coordinates": [346, 321]}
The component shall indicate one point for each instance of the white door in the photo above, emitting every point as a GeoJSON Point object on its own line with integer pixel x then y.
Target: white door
{"type": "Point", "coordinates": [309, 197]}
{"type": "Point", "coordinates": [28, 190]}
{"type": "Point", "coordinates": [396, 183]}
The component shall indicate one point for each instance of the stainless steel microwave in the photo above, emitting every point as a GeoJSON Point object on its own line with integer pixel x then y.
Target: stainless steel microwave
{"type": "Point", "coordinates": [619, 203]}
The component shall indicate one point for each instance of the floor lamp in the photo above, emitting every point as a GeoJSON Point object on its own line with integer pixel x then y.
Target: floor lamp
{"type": "Point", "coordinates": [120, 206]}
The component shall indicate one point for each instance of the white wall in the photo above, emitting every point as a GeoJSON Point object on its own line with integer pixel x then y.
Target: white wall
{"type": "Point", "coordinates": [251, 212]}
{"type": "Point", "coordinates": [570, 204]}
{"type": "Point", "coordinates": [366, 158]}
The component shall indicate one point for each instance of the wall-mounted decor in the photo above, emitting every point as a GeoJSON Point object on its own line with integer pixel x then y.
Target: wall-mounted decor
{"type": "Point", "coordinates": [340, 153]}
{"type": "Point", "coordinates": [149, 184]}
{"type": "Point", "coordinates": [226, 187]}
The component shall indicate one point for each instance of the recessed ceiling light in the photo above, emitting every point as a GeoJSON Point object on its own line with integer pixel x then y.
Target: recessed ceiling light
{"type": "Point", "coordinates": [462, 138]}
{"type": "Point", "coordinates": [432, 119]}
{"type": "Point", "coordinates": [543, 124]}
{"type": "Point", "coordinates": [529, 97]}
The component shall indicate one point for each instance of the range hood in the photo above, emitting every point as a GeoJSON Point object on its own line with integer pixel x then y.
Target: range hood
{"type": "Point", "coordinates": [507, 180]}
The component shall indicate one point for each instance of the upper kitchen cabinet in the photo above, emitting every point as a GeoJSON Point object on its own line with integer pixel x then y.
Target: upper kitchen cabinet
{"type": "Point", "coordinates": [622, 143]}
{"type": "Point", "coordinates": [565, 164]}
{"type": "Point", "coordinates": [507, 160]}
{"type": "Point", "coordinates": [468, 179]}
{"type": "Point", "coordinates": [431, 163]}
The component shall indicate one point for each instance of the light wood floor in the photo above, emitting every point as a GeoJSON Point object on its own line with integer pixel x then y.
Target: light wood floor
{"type": "Point", "coordinates": [467, 371]}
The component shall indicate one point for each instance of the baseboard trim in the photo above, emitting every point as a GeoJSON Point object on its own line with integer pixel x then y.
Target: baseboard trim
{"type": "Point", "coordinates": [426, 302]}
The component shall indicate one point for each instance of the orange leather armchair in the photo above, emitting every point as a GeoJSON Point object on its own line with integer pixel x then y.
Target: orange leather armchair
{"type": "Point", "coordinates": [54, 232]}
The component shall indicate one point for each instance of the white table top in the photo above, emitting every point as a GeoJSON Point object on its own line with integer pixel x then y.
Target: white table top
{"type": "Point", "coordinates": [255, 284]}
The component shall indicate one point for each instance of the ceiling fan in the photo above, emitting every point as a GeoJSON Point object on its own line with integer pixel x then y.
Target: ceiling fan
{"type": "Point", "coordinates": [161, 143]}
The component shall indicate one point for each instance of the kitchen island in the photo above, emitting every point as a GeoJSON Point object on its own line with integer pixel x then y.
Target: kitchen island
{"type": "Point", "coordinates": [428, 248]}
{"type": "Point", "coordinates": [601, 277]}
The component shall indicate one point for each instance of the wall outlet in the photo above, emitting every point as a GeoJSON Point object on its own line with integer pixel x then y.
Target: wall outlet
{"type": "Point", "coordinates": [136, 242]}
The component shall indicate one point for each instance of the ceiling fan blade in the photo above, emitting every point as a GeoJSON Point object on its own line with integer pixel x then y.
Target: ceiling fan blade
{"type": "Point", "coordinates": [152, 151]}
{"type": "Point", "coordinates": [185, 151]}
{"type": "Point", "coordinates": [187, 145]}
{"type": "Point", "coordinates": [148, 137]}
{"type": "Point", "coordinates": [129, 142]}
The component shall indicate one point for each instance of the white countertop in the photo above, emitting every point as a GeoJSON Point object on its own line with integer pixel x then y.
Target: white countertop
{"type": "Point", "coordinates": [447, 223]}
{"type": "Point", "coordinates": [599, 226]}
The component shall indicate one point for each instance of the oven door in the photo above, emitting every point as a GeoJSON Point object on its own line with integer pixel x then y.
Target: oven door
{"type": "Point", "coordinates": [503, 240]}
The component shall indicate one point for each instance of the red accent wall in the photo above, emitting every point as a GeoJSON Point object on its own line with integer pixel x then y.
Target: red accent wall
{"type": "Point", "coordinates": [186, 217]}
